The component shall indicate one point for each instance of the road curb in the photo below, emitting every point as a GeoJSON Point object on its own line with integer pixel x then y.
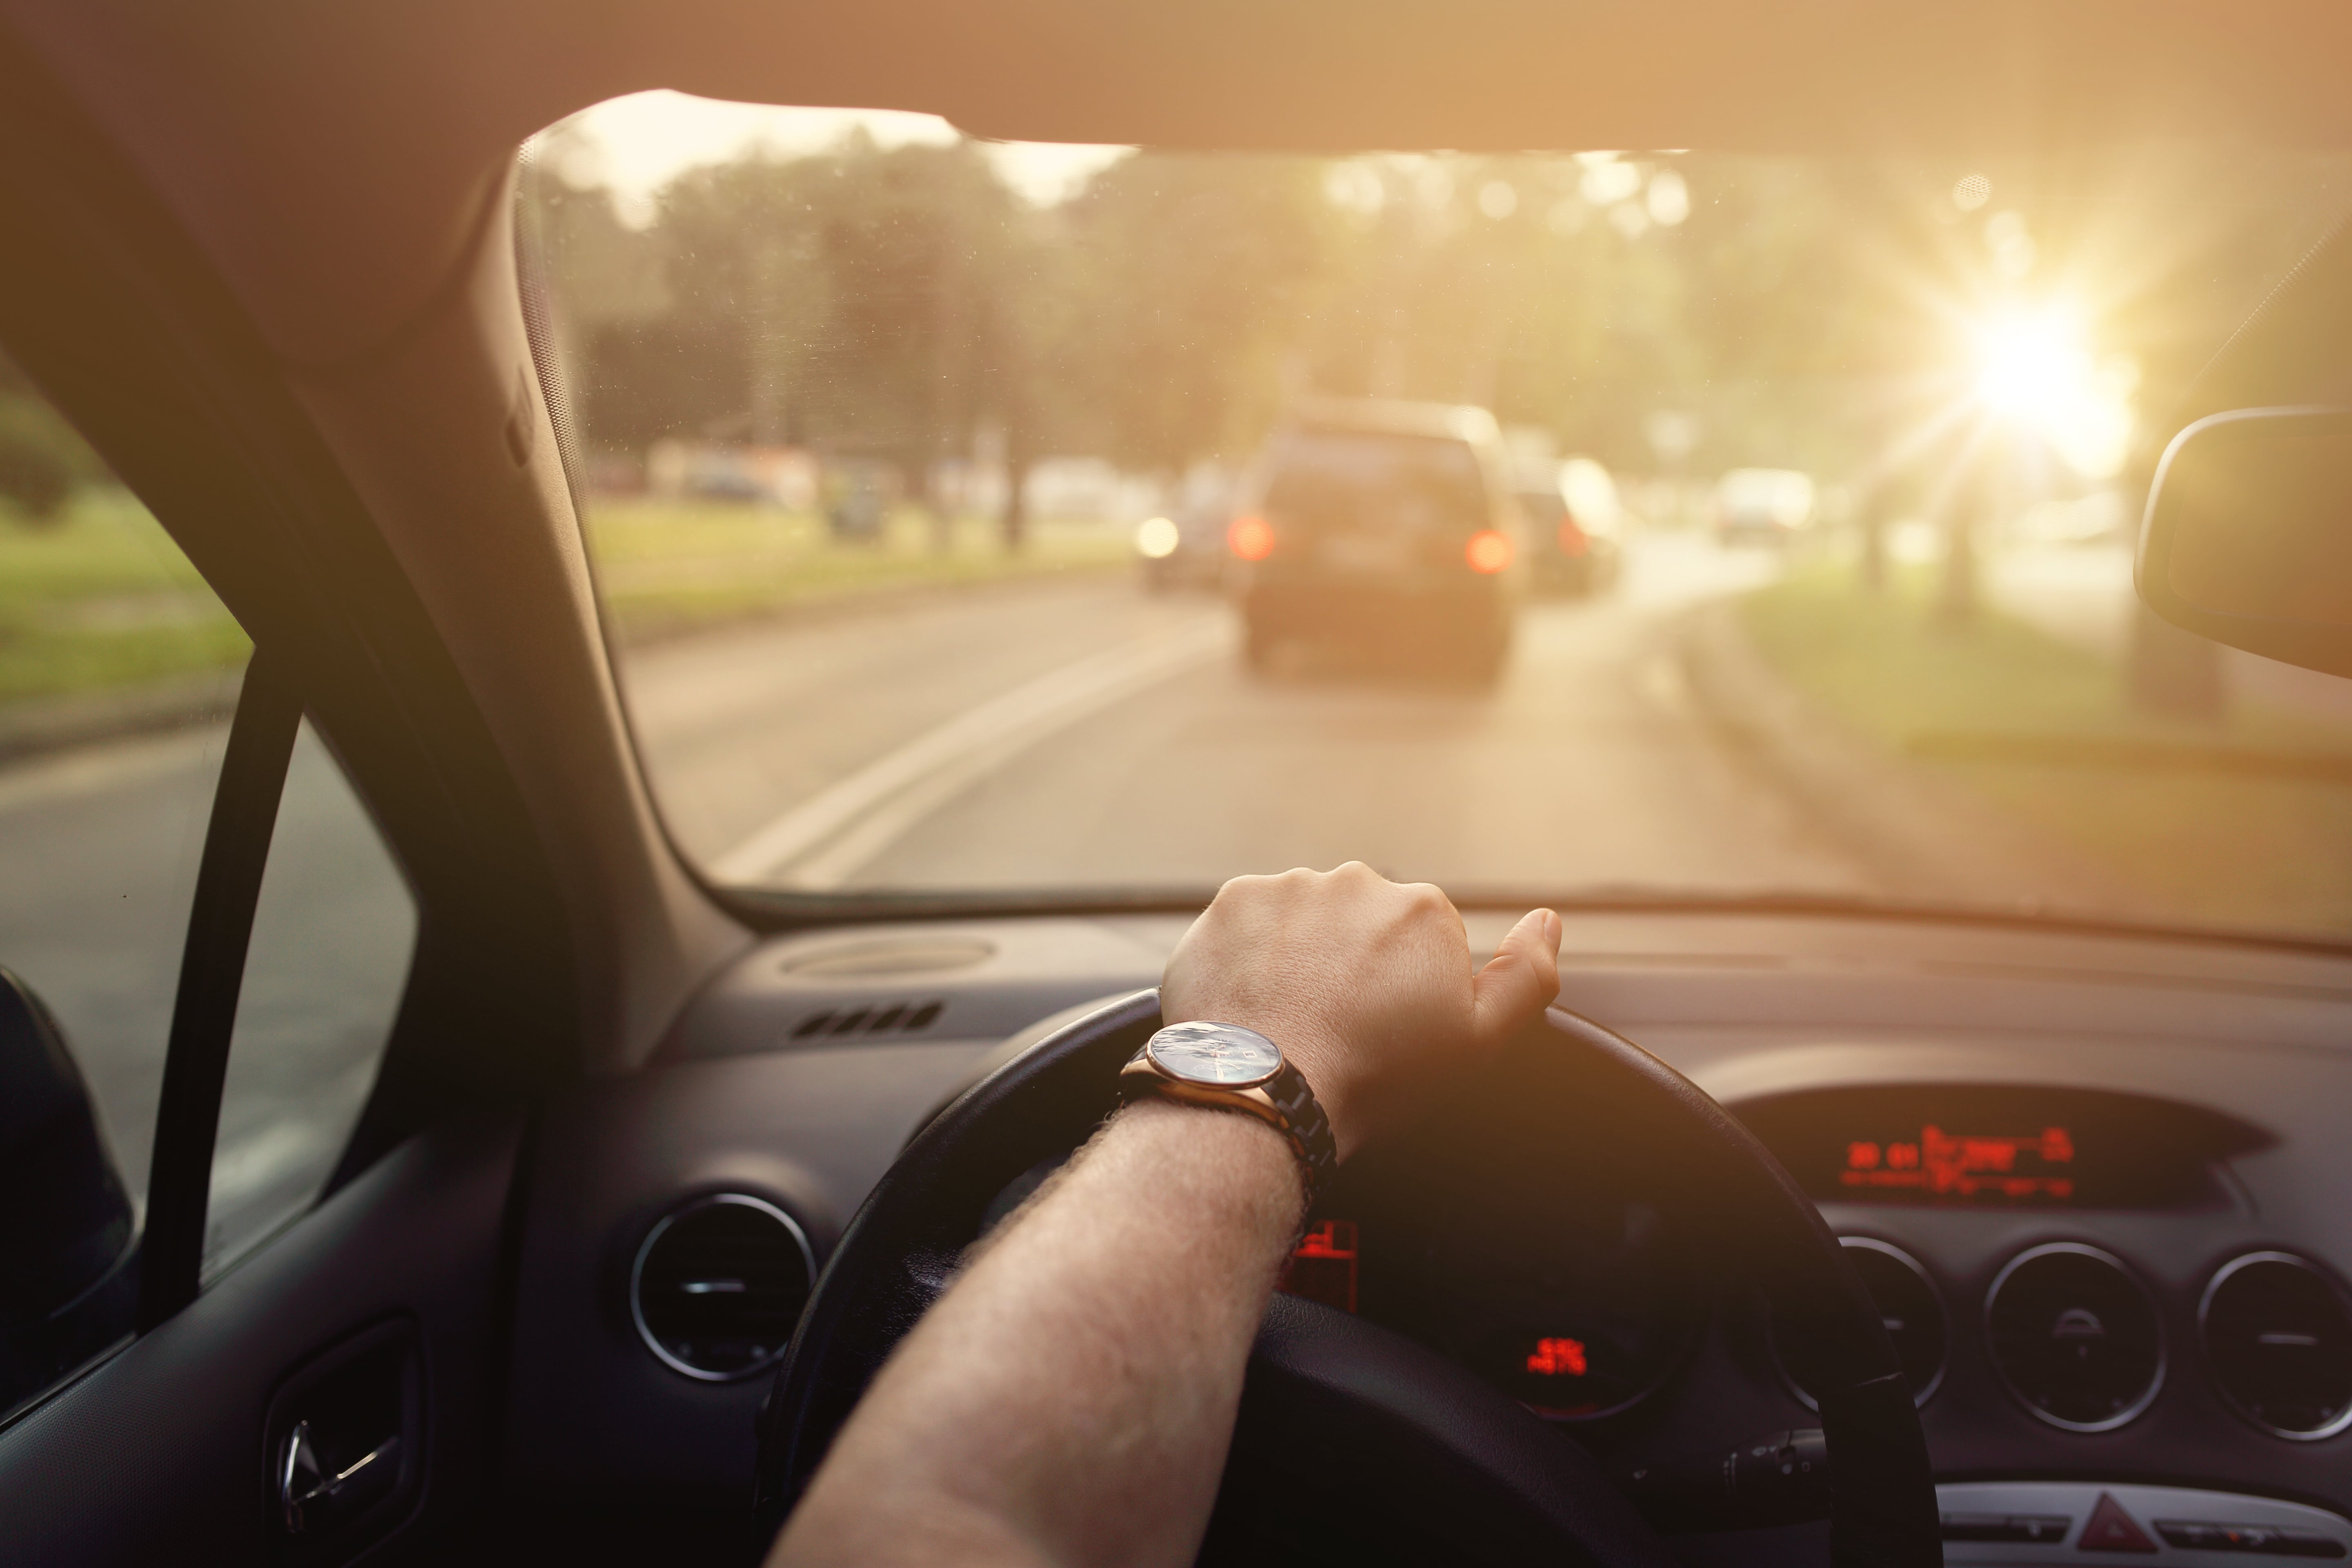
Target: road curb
{"type": "Point", "coordinates": [1928, 838]}
{"type": "Point", "coordinates": [38, 726]}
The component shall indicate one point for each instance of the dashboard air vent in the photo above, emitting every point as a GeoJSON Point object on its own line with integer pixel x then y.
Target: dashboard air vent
{"type": "Point", "coordinates": [2076, 1336]}
{"type": "Point", "coordinates": [876, 1018]}
{"type": "Point", "coordinates": [1910, 1306]}
{"type": "Point", "coordinates": [718, 1284]}
{"type": "Point", "coordinates": [2279, 1340]}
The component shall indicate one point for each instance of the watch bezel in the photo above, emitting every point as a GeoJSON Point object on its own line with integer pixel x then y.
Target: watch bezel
{"type": "Point", "coordinates": [1176, 1073]}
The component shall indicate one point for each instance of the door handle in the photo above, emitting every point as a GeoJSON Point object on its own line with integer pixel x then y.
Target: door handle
{"type": "Point", "coordinates": [311, 1499]}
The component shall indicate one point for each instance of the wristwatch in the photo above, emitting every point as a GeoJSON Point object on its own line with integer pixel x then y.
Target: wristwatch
{"type": "Point", "coordinates": [1227, 1068]}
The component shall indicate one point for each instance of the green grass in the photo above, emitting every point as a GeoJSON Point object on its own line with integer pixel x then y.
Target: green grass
{"type": "Point", "coordinates": [665, 566]}
{"type": "Point", "coordinates": [2198, 845]}
{"type": "Point", "coordinates": [102, 598]}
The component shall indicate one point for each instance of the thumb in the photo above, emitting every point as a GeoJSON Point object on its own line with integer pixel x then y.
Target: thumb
{"type": "Point", "coordinates": [1519, 981]}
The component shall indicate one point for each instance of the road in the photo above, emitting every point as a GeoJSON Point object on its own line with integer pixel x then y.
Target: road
{"type": "Point", "coordinates": [99, 848]}
{"type": "Point", "coordinates": [1074, 733]}
{"type": "Point", "coordinates": [1088, 734]}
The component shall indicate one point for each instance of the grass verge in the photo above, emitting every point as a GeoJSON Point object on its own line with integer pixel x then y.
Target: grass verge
{"type": "Point", "coordinates": [668, 566]}
{"type": "Point", "coordinates": [2244, 822]}
{"type": "Point", "coordinates": [102, 599]}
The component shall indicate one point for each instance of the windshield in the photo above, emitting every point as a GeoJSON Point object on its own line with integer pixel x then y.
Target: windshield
{"type": "Point", "coordinates": [975, 519]}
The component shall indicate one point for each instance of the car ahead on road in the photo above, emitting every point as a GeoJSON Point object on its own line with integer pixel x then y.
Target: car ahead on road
{"type": "Point", "coordinates": [1766, 506]}
{"type": "Point", "coordinates": [1575, 522]}
{"type": "Point", "coordinates": [1382, 528]}
{"type": "Point", "coordinates": [434, 1131]}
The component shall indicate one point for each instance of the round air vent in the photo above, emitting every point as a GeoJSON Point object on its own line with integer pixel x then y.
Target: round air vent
{"type": "Point", "coordinates": [2279, 1340]}
{"type": "Point", "coordinates": [718, 1284]}
{"type": "Point", "coordinates": [2076, 1336]}
{"type": "Point", "coordinates": [1911, 1307]}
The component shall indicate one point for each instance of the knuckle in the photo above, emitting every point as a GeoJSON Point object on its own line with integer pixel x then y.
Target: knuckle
{"type": "Point", "coordinates": [1427, 897]}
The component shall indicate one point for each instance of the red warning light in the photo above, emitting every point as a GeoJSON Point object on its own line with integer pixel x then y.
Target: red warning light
{"type": "Point", "coordinates": [1251, 538]}
{"type": "Point", "coordinates": [1557, 1358]}
{"type": "Point", "coordinates": [1322, 1267]}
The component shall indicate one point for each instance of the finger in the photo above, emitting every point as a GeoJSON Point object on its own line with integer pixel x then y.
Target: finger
{"type": "Point", "coordinates": [1520, 980]}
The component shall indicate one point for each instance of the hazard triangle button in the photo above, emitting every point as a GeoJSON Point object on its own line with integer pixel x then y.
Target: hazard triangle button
{"type": "Point", "coordinates": [2113, 1530]}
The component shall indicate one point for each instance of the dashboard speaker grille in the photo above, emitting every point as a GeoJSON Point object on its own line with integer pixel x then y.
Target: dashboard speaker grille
{"type": "Point", "coordinates": [718, 1284]}
{"type": "Point", "coordinates": [906, 1017]}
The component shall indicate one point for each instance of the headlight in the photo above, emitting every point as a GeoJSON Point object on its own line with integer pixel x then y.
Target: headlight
{"type": "Point", "coordinates": [1156, 538]}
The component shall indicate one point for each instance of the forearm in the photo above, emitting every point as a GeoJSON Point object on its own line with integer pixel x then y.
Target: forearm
{"type": "Point", "coordinates": [1070, 1400]}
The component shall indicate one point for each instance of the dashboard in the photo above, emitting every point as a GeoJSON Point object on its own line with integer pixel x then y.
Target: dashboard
{"type": "Point", "coordinates": [2092, 1182]}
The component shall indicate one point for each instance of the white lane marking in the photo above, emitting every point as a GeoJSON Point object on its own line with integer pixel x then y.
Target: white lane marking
{"type": "Point", "coordinates": [849, 822]}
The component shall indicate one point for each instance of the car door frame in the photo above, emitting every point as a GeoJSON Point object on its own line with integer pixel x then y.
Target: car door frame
{"type": "Point", "coordinates": [113, 310]}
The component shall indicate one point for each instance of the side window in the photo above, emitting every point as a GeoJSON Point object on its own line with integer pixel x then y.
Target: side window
{"type": "Point", "coordinates": [119, 673]}
{"type": "Point", "coordinates": [332, 937]}
{"type": "Point", "coordinates": [203, 940]}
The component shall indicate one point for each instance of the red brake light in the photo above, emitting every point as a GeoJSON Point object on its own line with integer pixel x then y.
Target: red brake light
{"type": "Point", "coordinates": [1488, 551]}
{"type": "Point", "coordinates": [1251, 538]}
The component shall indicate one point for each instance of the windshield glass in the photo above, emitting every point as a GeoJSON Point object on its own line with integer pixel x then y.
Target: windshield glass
{"type": "Point", "coordinates": [985, 518]}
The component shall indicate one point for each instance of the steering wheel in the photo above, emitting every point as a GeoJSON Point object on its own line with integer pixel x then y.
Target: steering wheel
{"type": "Point", "coordinates": [1341, 1418]}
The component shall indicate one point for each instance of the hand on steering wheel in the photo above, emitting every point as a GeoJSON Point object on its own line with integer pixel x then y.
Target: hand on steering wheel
{"type": "Point", "coordinates": [1334, 1407]}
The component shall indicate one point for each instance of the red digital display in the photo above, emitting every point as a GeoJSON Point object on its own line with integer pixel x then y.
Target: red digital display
{"type": "Point", "coordinates": [1998, 1145]}
{"type": "Point", "coordinates": [1322, 1266]}
{"type": "Point", "coordinates": [1557, 1358]}
{"type": "Point", "coordinates": [1965, 1165]}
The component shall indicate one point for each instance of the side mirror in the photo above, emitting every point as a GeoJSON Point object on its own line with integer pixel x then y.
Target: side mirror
{"type": "Point", "coordinates": [2247, 534]}
{"type": "Point", "coordinates": [66, 1284]}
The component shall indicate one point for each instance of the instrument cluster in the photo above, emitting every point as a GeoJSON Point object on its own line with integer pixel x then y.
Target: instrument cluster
{"type": "Point", "coordinates": [1572, 1277]}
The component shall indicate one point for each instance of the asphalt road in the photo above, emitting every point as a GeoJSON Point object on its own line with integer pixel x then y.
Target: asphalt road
{"type": "Point", "coordinates": [1088, 734]}
{"type": "Point", "coordinates": [99, 849]}
{"type": "Point", "coordinates": [1058, 734]}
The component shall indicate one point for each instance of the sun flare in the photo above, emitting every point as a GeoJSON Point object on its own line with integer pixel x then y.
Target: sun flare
{"type": "Point", "coordinates": [2037, 372]}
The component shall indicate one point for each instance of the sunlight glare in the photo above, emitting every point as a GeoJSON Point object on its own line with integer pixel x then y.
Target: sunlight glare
{"type": "Point", "coordinates": [2036, 371]}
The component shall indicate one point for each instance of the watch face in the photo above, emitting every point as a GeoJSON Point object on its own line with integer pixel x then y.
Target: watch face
{"type": "Point", "coordinates": [1222, 1054]}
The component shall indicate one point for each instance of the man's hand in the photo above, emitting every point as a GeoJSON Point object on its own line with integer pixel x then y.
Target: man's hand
{"type": "Point", "coordinates": [1056, 1408]}
{"type": "Point", "coordinates": [1366, 984]}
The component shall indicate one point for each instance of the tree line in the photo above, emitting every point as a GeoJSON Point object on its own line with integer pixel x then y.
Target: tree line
{"type": "Point", "coordinates": [904, 303]}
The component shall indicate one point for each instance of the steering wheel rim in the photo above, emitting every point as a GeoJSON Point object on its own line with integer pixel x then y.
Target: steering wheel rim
{"type": "Point", "coordinates": [902, 1249]}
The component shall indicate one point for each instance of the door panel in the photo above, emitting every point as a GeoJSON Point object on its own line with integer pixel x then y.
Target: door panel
{"type": "Point", "coordinates": [159, 1454]}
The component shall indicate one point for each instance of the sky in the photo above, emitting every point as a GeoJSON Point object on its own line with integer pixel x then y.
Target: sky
{"type": "Point", "coordinates": [640, 142]}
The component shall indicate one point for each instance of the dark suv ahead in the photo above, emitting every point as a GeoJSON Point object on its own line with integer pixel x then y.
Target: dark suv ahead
{"type": "Point", "coordinates": [1386, 529]}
